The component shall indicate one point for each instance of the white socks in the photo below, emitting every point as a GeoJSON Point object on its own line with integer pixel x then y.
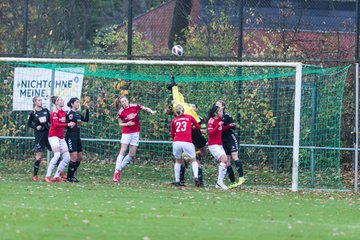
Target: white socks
{"type": "Point", "coordinates": [52, 164]}
{"type": "Point", "coordinates": [121, 162]}
{"type": "Point", "coordinates": [118, 162]}
{"type": "Point", "coordinates": [195, 168]}
{"type": "Point", "coordinates": [222, 172]}
{"type": "Point", "coordinates": [63, 164]}
{"type": "Point", "coordinates": [177, 167]}
{"type": "Point", "coordinates": [125, 162]}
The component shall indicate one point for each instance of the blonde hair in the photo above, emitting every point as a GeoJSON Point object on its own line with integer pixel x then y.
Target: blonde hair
{"type": "Point", "coordinates": [34, 101]}
{"type": "Point", "coordinates": [221, 102]}
{"type": "Point", "coordinates": [179, 110]}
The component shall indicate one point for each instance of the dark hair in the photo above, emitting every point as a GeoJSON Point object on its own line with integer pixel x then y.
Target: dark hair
{"type": "Point", "coordinates": [169, 109]}
{"type": "Point", "coordinates": [71, 101]}
{"type": "Point", "coordinates": [53, 99]}
{"type": "Point", "coordinates": [212, 111]}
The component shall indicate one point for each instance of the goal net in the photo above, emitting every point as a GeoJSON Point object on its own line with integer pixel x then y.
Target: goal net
{"type": "Point", "coordinates": [288, 115]}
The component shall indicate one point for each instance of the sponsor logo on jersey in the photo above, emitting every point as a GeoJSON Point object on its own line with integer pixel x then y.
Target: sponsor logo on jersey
{"type": "Point", "coordinates": [131, 116]}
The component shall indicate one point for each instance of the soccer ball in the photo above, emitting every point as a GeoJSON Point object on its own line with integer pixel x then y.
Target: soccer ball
{"type": "Point", "coordinates": [177, 50]}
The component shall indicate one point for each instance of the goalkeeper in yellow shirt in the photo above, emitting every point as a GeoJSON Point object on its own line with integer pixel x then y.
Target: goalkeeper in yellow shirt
{"type": "Point", "coordinates": [178, 99]}
{"type": "Point", "coordinates": [197, 134]}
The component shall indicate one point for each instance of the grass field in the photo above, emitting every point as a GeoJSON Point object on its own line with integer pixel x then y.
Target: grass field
{"type": "Point", "coordinates": [98, 209]}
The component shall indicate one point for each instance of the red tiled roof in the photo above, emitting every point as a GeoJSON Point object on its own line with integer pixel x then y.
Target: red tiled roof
{"type": "Point", "coordinates": [156, 26]}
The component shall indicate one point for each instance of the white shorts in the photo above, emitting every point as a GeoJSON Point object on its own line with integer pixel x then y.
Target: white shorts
{"type": "Point", "coordinates": [130, 138]}
{"type": "Point", "coordinates": [186, 147]}
{"type": "Point", "coordinates": [60, 143]}
{"type": "Point", "coordinates": [217, 151]}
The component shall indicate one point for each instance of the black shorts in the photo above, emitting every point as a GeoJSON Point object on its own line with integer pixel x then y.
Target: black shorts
{"type": "Point", "coordinates": [198, 139]}
{"type": "Point", "coordinates": [231, 144]}
{"type": "Point", "coordinates": [42, 141]}
{"type": "Point", "coordinates": [74, 144]}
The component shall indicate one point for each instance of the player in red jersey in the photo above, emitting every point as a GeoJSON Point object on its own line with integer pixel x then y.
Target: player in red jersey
{"type": "Point", "coordinates": [215, 129]}
{"type": "Point", "coordinates": [129, 122]}
{"type": "Point", "coordinates": [181, 133]}
{"type": "Point", "coordinates": [198, 138]}
{"type": "Point", "coordinates": [231, 146]}
{"type": "Point", "coordinates": [57, 140]}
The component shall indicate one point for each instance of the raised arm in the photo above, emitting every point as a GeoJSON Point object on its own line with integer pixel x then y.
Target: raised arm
{"type": "Point", "coordinates": [86, 118]}
{"type": "Point", "coordinates": [149, 110]}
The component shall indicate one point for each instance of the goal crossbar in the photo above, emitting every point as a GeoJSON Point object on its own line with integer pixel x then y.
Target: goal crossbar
{"type": "Point", "coordinates": [154, 62]}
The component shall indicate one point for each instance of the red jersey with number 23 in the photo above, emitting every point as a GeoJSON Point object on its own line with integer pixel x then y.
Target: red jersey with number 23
{"type": "Point", "coordinates": [181, 127]}
{"type": "Point", "coordinates": [130, 114]}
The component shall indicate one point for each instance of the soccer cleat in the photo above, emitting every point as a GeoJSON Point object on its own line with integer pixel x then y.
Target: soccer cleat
{"type": "Point", "coordinates": [35, 177]}
{"type": "Point", "coordinates": [241, 181]}
{"type": "Point", "coordinates": [178, 184]}
{"type": "Point", "coordinates": [234, 185]}
{"type": "Point", "coordinates": [73, 179]}
{"type": "Point", "coordinates": [63, 176]}
{"type": "Point", "coordinates": [237, 184]}
{"type": "Point", "coordinates": [197, 183]}
{"type": "Point", "coordinates": [56, 179]}
{"type": "Point", "coordinates": [221, 185]}
{"type": "Point", "coordinates": [116, 177]}
{"type": "Point", "coordinates": [47, 179]}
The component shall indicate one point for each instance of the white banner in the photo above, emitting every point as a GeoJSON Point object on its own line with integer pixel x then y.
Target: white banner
{"type": "Point", "coordinates": [31, 82]}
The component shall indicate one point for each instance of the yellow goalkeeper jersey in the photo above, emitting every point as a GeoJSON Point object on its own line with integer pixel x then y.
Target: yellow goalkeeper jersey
{"type": "Point", "coordinates": [178, 98]}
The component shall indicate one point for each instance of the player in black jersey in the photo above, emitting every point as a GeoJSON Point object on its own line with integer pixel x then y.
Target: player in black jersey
{"type": "Point", "coordinates": [231, 147]}
{"type": "Point", "coordinates": [39, 120]}
{"type": "Point", "coordinates": [72, 137]}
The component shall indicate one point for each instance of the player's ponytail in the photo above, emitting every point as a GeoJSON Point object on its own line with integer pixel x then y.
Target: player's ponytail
{"type": "Point", "coordinates": [117, 102]}
{"type": "Point", "coordinates": [212, 111]}
{"type": "Point", "coordinates": [54, 99]}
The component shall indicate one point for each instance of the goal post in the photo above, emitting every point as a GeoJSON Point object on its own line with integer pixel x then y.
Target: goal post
{"type": "Point", "coordinates": [259, 105]}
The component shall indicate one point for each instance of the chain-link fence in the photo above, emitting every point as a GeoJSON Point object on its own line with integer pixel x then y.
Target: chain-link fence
{"type": "Point", "coordinates": [321, 32]}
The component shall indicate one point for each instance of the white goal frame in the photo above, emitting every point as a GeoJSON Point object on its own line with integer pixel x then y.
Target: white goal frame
{"type": "Point", "coordinates": [296, 65]}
